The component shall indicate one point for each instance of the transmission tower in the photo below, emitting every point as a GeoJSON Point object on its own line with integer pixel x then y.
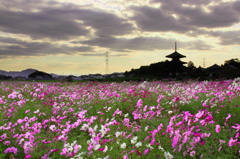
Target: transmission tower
{"type": "Point", "coordinates": [204, 62]}
{"type": "Point", "coordinates": [107, 54]}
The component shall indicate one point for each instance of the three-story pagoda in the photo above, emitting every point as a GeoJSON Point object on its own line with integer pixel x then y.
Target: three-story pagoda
{"type": "Point", "coordinates": [176, 65]}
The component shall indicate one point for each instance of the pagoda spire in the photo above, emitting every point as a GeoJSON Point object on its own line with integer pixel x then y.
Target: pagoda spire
{"type": "Point", "coordinates": [175, 46]}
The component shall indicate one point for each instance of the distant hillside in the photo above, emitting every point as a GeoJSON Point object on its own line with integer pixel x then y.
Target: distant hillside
{"type": "Point", "coordinates": [54, 75]}
{"type": "Point", "coordinates": [23, 73]}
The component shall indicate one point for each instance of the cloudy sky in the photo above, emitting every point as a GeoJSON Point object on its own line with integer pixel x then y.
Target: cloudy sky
{"type": "Point", "coordinates": [73, 36]}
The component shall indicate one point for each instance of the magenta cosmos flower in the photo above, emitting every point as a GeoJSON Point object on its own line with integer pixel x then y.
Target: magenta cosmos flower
{"type": "Point", "coordinates": [218, 128]}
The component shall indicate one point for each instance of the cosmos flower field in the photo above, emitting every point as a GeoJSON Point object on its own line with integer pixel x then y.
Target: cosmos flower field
{"type": "Point", "coordinates": [126, 120]}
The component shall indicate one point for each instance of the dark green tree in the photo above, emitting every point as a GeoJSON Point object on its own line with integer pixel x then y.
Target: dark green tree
{"type": "Point", "coordinates": [234, 62]}
{"type": "Point", "coordinates": [191, 65]}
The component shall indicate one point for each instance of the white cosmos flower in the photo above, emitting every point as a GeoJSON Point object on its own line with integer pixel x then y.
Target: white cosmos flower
{"type": "Point", "coordinates": [117, 141]}
{"type": "Point", "coordinates": [84, 127]}
{"type": "Point", "coordinates": [146, 128]}
{"type": "Point", "coordinates": [88, 141]}
{"type": "Point", "coordinates": [96, 147]}
{"type": "Point", "coordinates": [169, 112]}
{"type": "Point", "coordinates": [107, 157]}
{"type": "Point", "coordinates": [134, 140]}
{"type": "Point", "coordinates": [138, 144]}
{"type": "Point", "coordinates": [168, 155]}
{"type": "Point", "coordinates": [123, 145]}
{"type": "Point", "coordinates": [105, 149]}
{"type": "Point", "coordinates": [117, 134]}
{"type": "Point", "coordinates": [149, 146]}
{"type": "Point", "coordinates": [95, 127]}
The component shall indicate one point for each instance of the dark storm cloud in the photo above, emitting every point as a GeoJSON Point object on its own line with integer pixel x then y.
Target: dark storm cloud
{"type": "Point", "coordinates": [174, 3]}
{"type": "Point", "coordinates": [52, 20]}
{"type": "Point", "coordinates": [104, 54]}
{"type": "Point", "coordinates": [143, 44]}
{"type": "Point", "coordinates": [60, 23]}
{"type": "Point", "coordinates": [26, 5]}
{"type": "Point", "coordinates": [40, 25]}
{"type": "Point", "coordinates": [155, 19]}
{"type": "Point", "coordinates": [196, 45]}
{"type": "Point", "coordinates": [9, 40]}
{"type": "Point", "coordinates": [223, 14]}
{"type": "Point", "coordinates": [236, 6]}
{"type": "Point", "coordinates": [96, 54]}
{"type": "Point", "coordinates": [106, 23]}
{"type": "Point", "coordinates": [230, 37]}
{"type": "Point", "coordinates": [103, 22]}
{"type": "Point", "coordinates": [219, 16]}
{"type": "Point", "coordinates": [15, 47]}
{"type": "Point", "coordinates": [227, 37]}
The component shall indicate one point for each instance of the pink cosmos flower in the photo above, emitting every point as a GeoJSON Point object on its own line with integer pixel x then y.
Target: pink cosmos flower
{"type": "Point", "coordinates": [146, 151]}
{"type": "Point", "coordinates": [237, 127]}
{"type": "Point", "coordinates": [192, 153]}
{"type": "Point", "coordinates": [232, 142]}
{"type": "Point", "coordinates": [159, 98]}
{"type": "Point", "coordinates": [204, 135]}
{"type": "Point", "coordinates": [179, 123]}
{"type": "Point", "coordinates": [219, 149]}
{"type": "Point", "coordinates": [218, 128]}
{"type": "Point", "coordinates": [12, 95]}
{"type": "Point", "coordinates": [200, 113]}
{"type": "Point", "coordinates": [11, 150]}
{"type": "Point", "coordinates": [64, 151]}
{"type": "Point", "coordinates": [54, 150]}
{"type": "Point", "coordinates": [237, 135]}
{"type": "Point", "coordinates": [7, 142]}
{"type": "Point", "coordinates": [35, 112]}
{"type": "Point", "coordinates": [116, 112]}
{"type": "Point", "coordinates": [209, 118]}
{"type": "Point", "coordinates": [20, 96]}
{"type": "Point", "coordinates": [52, 127]}
{"type": "Point", "coordinates": [76, 148]}
{"type": "Point", "coordinates": [222, 141]}
{"type": "Point", "coordinates": [139, 103]}
{"type": "Point", "coordinates": [131, 151]}
{"type": "Point", "coordinates": [197, 134]}
{"type": "Point", "coordinates": [45, 156]}
{"type": "Point", "coordinates": [100, 149]}
{"type": "Point", "coordinates": [202, 142]}
{"type": "Point", "coordinates": [28, 156]}
{"type": "Point", "coordinates": [228, 117]}
{"type": "Point", "coordinates": [175, 140]}
{"type": "Point", "coordinates": [4, 136]}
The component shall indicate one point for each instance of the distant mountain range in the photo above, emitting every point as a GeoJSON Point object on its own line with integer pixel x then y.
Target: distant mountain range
{"type": "Point", "coordinates": [23, 73]}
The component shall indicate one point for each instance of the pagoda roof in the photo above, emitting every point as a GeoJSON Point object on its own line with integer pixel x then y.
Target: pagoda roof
{"type": "Point", "coordinates": [175, 54]}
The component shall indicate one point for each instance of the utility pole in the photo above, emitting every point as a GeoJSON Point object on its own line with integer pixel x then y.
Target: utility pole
{"type": "Point", "coordinates": [204, 62]}
{"type": "Point", "coordinates": [107, 54]}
